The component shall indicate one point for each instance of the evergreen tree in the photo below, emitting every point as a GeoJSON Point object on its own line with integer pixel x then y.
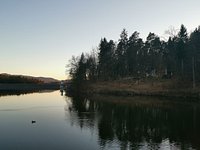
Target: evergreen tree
{"type": "Point", "coordinates": [169, 57]}
{"type": "Point", "coordinates": [78, 73]}
{"type": "Point", "coordinates": [153, 46]}
{"type": "Point", "coordinates": [134, 45]}
{"type": "Point", "coordinates": [121, 54]}
{"type": "Point", "coordinates": [182, 40]}
{"type": "Point", "coordinates": [195, 52]}
{"type": "Point", "coordinates": [106, 63]}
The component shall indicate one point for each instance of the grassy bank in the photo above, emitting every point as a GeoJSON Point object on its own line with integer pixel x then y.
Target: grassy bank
{"type": "Point", "coordinates": [146, 87]}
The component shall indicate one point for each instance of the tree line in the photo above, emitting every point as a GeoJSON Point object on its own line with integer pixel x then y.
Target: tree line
{"type": "Point", "coordinates": [14, 79]}
{"type": "Point", "coordinates": [178, 57]}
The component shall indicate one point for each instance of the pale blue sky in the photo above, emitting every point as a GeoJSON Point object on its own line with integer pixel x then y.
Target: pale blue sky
{"type": "Point", "coordinates": [37, 37]}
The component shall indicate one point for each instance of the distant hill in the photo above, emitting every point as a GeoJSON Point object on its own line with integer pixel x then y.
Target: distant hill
{"type": "Point", "coordinates": [8, 78]}
{"type": "Point", "coordinates": [47, 79]}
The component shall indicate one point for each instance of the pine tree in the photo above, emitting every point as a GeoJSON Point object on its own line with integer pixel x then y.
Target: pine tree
{"type": "Point", "coordinates": [121, 53]}
{"type": "Point", "coordinates": [182, 40]}
{"type": "Point", "coordinates": [134, 45]}
{"type": "Point", "coordinates": [106, 59]}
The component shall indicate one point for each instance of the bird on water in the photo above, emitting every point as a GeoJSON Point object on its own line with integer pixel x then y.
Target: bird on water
{"type": "Point", "coordinates": [33, 121]}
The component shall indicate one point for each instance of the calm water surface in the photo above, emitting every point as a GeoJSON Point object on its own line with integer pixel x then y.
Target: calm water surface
{"type": "Point", "coordinates": [97, 123]}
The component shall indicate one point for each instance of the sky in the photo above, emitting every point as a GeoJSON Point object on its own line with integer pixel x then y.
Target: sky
{"type": "Point", "coordinates": [38, 37]}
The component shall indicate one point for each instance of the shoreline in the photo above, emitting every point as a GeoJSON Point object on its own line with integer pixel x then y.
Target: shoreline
{"type": "Point", "coordinates": [168, 94]}
{"type": "Point", "coordinates": [28, 87]}
{"type": "Point", "coordinates": [130, 88]}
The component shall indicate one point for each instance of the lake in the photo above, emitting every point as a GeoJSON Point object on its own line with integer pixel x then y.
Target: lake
{"type": "Point", "coordinates": [50, 120]}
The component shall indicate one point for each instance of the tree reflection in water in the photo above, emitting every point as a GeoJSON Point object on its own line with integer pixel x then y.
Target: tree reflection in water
{"type": "Point", "coordinates": [138, 122]}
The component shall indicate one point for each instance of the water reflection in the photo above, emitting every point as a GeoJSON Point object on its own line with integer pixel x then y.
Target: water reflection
{"type": "Point", "coordinates": [99, 122]}
{"type": "Point", "coordinates": [22, 92]}
{"type": "Point", "coordinates": [138, 123]}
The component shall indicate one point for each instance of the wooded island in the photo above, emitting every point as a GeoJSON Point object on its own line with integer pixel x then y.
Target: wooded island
{"type": "Point", "coordinates": [146, 66]}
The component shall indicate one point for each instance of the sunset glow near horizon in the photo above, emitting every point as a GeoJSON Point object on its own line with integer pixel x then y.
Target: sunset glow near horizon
{"type": "Point", "coordinates": [39, 37]}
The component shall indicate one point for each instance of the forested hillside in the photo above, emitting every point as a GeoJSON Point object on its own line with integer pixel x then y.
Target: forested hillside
{"type": "Point", "coordinates": [6, 78]}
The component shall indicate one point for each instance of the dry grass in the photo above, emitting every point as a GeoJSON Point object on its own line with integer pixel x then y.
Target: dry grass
{"type": "Point", "coordinates": [145, 85]}
{"type": "Point", "coordinates": [148, 87]}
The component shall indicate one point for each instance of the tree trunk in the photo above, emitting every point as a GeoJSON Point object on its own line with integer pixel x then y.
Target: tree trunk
{"type": "Point", "coordinates": [193, 73]}
{"type": "Point", "coordinates": [182, 67]}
